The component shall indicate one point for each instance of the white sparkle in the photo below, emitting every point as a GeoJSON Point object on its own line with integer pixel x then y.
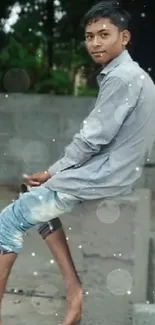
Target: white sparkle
{"type": "Point", "coordinates": [35, 273]}
{"type": "Point", "coordinates": [67, 238]}
{"type": "Point", "coordinates": [147, 302]}
{"type": "Point", "coordinates": [70, 228]}
{"type": "Point", "coordinates": [143, 14]}
{"type": "Point", "coordinates": [142, 76]}
{"type": "Point", "coordinates": [80, 246]}
{"type": "Point", "coordinates": [114, 254]}
{"type": "Point", "coordinates": [130, 85]}
{"type": "Point", "coordinates": [137, 168]}
{"type": "Point", "coordinates": [53, 140]}
{"type": "Point", "coordinates": [148, 159]}
{"type": "Point", "coordinates": [6, 96]}
{"type": "Point", "coordinates": [87, 292]}
{"type": "Point", "coordinates": [129, 292]}
{"type": "Point", "coordinates": [30, 29]}
{"type": "Point", "coordinates": [33, 254]}
{"type": "Point", "coordinates": [99, 111]}
{"type": "Point", "coordinates": [21, 224]}
{"type": "Point", "coordinates": [149, 69]}
{"type": "Point", "coordinates": [52, 261]}
{"type": "Point", "coordinates": [120, 254]}
{"type": "Point", "coordinates": [40, 197]}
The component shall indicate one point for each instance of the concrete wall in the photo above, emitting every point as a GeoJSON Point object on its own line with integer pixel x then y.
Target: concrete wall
{"type": "Point", "coordinates": [34, 129]}
{"type": "Point", "coordinates": [115, 247]}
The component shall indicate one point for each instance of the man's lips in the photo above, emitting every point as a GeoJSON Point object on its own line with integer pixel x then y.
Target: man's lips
{"type": "Point", "coordinates": [98, 53]}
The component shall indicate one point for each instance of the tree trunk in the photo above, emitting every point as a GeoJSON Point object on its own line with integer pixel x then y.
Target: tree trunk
{"type": "Point", "coordinates": [49, 31]}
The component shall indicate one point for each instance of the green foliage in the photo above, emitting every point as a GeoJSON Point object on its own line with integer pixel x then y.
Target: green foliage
{"type": "Point", "coordinates": [87, 92]}
{"type": "Point", "coordinates": [14, 55]}
{"type": "Point", "coordinates": [65, 55]}
{"type": "Point", "coordinates": [43, 86]}
{"type": "Point", "coordinates": [33, 60]}
{"type": "Point", "coordinates": [58, 83]}
{"type": "Point", "coordinates": [39, 39]}
{"type": "Point", "coordinates": [61, 82]}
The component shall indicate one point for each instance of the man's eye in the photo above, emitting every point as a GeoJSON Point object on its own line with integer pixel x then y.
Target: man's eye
{"type": "Point", "coordinates": [89, 37]}
{"type": "Point", "coordinates": [104, 34]}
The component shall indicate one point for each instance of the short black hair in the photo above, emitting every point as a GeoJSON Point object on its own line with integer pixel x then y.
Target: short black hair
{"type": "Point", "coordinates": [109, 9]}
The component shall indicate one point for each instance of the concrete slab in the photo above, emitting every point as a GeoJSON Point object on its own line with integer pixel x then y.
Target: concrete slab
{"type": "Point", "coordinates": [143, 314]}
{"type": "Point", "coordinates": [20, 310]}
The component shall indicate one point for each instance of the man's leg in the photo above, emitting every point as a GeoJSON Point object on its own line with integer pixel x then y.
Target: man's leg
{"type": "Point", "coordinates": [6, 262]}
{"type": "Point", "coordinates": [29, 210]}
{"type": "Point", "coordinates": [53, 234]}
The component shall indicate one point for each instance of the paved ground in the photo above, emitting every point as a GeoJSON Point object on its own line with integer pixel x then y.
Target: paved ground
{"type": "Point", "coordinates": [36, 279]}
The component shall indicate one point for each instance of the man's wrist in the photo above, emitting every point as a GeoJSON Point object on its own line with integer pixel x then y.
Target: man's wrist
{"type": "Point", "coordinates": [47, 173]}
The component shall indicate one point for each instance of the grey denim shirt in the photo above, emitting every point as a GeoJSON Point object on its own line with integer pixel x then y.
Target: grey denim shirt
{"type": "Point", "coordinates": [105, 158]}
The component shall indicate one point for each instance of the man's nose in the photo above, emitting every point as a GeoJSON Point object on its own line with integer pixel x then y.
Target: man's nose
{"type": "Point", "coordinates": [96, 41]}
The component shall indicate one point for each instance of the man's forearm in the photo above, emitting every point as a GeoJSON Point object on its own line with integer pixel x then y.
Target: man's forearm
{"type": "Point", "coordinates": [76, 154]}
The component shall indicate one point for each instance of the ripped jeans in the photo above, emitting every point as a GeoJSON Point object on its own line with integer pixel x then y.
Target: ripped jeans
{"type": "Point", "coordinates": [34, 208]}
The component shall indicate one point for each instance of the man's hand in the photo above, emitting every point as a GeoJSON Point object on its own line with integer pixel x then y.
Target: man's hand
{"type": "Point", "coordinates": [37, 179]}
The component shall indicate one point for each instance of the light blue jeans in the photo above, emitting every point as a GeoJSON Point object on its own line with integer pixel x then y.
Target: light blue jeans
{"type": "Point", "coordinates": [31, 209]}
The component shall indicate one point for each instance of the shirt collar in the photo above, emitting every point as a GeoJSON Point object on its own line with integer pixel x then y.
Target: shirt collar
{"type": "Point", "coordinates": [124, 56]}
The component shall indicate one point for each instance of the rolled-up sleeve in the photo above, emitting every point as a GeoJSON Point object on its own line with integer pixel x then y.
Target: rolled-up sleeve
{"type": "Point", "coordinates": [116, 100]}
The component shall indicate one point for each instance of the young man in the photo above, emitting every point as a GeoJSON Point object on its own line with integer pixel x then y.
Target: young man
{"type": "Point", "coordinates": [102, 159]}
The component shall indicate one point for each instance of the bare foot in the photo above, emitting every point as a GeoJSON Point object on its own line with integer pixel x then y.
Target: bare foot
{"type": "Point", "coordinates": [74, 306]}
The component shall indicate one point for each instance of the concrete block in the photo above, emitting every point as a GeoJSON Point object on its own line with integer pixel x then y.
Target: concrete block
{"type": "Point", "coordinates": [6, 123]}
{"type": "Point", "coordinates": [115, 247]}
{"type": "Point", "coordinates": [143, 314]}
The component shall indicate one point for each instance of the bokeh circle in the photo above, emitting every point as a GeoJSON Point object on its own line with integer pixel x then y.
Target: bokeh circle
{"type": "Point", "coordinates": [16, 81]}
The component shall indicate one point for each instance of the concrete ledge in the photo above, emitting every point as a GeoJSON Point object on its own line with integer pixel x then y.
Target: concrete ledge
{"type": "Point", "coordinates": [115, 246]}
{"type": "Point", "coordinates": [143, 314]}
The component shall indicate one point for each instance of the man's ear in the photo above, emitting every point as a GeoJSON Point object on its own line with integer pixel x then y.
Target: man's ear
{"type": "Point", "coordinates": [126, 37]}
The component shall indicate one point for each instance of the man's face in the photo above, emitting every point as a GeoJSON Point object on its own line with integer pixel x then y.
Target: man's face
{"type": "Point", "coordinates": [104, 41]}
